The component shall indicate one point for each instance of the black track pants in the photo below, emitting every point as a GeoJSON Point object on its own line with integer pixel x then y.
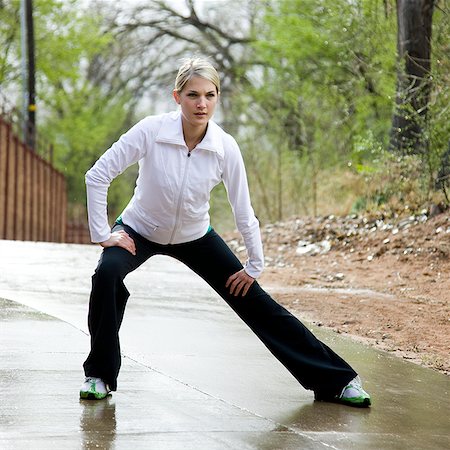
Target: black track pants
{"type": "Point", "coordinates": [309, 360]}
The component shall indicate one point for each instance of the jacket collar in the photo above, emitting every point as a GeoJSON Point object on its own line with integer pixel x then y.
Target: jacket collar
{"type": "Point", "coordinates": [171, 132]}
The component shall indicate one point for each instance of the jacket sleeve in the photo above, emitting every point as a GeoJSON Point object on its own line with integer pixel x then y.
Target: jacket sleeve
{"type": "Point", "coordinates": [130, 147]}
{"type": "Point", "coordinates": [235, 181]}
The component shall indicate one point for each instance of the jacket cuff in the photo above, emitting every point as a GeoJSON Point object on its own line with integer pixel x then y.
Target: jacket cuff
{"type": "Point", "coordinates": [252, 271]}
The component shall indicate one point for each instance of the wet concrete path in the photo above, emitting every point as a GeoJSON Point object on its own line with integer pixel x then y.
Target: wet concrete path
{"type": "Point", "coordinates": [193, 376]}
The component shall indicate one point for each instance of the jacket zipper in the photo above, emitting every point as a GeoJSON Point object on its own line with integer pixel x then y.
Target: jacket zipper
{"type": "Point", "coordinates": [180, 198]}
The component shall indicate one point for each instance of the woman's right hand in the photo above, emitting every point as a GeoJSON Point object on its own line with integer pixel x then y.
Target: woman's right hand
{"type": "Point", "coordinates": [120, 239]}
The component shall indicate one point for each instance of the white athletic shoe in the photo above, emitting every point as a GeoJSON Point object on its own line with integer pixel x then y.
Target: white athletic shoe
{"type": "Point", "coordinates": [94, 389]}
{"type": "Point", "coordinates": [354, 395]}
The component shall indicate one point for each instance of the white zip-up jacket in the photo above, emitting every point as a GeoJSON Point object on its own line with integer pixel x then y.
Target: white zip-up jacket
{"type": "Point", "coordinates": [170, 204]}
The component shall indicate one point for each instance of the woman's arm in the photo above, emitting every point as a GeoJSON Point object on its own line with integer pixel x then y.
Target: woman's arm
{"type": "Point", "coordinates": [235, 181]}
{"type": "Point", "coordinates": [130, 147]}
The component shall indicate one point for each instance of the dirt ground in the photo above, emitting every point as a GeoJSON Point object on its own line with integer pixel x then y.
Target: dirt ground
{"type": "Point", "coordinates": [384, 282]}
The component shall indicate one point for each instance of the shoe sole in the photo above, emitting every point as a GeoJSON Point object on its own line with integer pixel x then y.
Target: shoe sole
{"type": "Point", "coordinates": [91, 396]}
{"type": "Point", "coordinates": [364, 404]}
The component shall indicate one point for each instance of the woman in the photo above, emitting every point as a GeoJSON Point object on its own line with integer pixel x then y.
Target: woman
{"type": "Point", "coordinates": [182, 156]}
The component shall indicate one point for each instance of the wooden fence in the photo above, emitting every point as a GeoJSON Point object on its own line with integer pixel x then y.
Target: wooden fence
{"type": "Point", "coordinates": [33, 199]}
{"type": "Point", "coordinates": [78, 232]}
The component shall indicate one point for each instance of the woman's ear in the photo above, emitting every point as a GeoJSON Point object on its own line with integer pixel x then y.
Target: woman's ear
{"type": "Point", "coordinates": [176, 96]}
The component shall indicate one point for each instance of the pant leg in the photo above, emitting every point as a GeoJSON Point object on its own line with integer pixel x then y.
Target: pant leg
{"type": "Point", "coordinates": [107, 306]}
{"type": "Point", "coordinates": [309, 360]}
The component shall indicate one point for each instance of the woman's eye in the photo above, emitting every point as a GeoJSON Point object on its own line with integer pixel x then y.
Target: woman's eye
{"type": "Point", "coordinates": [192, 95]}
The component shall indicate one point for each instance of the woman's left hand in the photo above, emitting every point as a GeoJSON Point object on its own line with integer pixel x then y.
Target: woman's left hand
{"type": "Point", "coordinates": [240, 281]}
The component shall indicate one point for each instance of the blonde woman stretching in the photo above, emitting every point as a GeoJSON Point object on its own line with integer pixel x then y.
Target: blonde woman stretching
{"type": "Point", "coordinates": [182, 155]}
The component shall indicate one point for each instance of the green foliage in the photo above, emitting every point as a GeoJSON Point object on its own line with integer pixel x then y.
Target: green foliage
{"type": "Point", "coordinates": [81, 134]}
{"type": "Point", "coordinates": [438, 122]}
{"type": "Point", "coordinates": [325, 78]}
{"type": "Point", "coordinates": [325, 91]}
{"type": "Point", "coordinates": [327, 60]}
{"type": "Point", "coordinates": [78, 117]}
{"type": "Point", "coordinates": [310, 101]}
{"type": "Point", "coordinates": [395, 188]}
{"type": "Point", "coordinates": [9, 32]}
{"type": "Point", "coordinates": [78, 112]}
{"type": "Point", "coordinates": [393, 184]}
{"type": "Point", "coordinates": [367, 153]}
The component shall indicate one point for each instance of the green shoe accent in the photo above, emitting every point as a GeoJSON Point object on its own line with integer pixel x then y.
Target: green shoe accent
{"type": "Point", "coordinates": [354, 395]}
{"type": "Point", "coordinates": [89, 390]}
{"type": "Point", "coordinates": [93, 395]}
{"type": "Point", "coordinates": [359, 402]}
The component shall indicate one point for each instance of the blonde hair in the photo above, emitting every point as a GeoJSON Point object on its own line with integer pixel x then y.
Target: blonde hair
{"type": "Point", "coordinates": [196, 67]}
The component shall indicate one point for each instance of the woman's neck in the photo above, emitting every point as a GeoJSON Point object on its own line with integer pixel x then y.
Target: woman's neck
{"type": "Point", "coordinates": [193, 135]}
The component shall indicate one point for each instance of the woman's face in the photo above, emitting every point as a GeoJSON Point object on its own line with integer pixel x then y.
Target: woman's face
{"type": "Point", "coordinates": [198, 100]}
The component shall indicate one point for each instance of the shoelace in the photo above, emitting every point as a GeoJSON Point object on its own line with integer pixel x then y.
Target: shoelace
{"type": "Point", "coordinates": [354, 384]}
{"type": "Point", "coordinates": [92, 382]}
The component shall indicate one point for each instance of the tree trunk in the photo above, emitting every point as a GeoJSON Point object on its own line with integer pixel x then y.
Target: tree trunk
{"type": "Point", "coordinates": [443, 177]}
{"type": "Point", "coordinates": [414, 20]}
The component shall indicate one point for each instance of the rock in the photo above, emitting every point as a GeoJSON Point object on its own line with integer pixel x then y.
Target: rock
{"type": "Point", "coordinates": [318, 248]}
{"type": "Point", "coordinates": [335, 277]}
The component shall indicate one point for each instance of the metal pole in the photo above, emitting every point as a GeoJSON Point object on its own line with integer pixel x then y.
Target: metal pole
{"type": "Point", "coordinates": [31, 141]}
{"type": "Point", "coordinates": [23, 46]}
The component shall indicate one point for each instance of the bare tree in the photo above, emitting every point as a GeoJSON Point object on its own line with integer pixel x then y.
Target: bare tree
{"type": "Point", "coordinates": [221, 31]}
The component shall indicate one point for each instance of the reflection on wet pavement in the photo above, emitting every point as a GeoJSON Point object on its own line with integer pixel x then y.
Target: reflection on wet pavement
{"type": "Point", "coordinates": [98, 424]}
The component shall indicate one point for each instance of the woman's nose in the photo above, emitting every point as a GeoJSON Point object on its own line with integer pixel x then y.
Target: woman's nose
{"type": "Point", "coordinates": [201, 102]}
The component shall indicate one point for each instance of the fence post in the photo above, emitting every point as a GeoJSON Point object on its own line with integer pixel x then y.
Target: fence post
{"type": "Point", "coordinates": [63, 209]}
{"type": "Point", "coordinates": [48, 196]}
{"type": "Point", "coordinates": [9, 192]}
{"type": "Point", "coordinates": [34, 195]}
{"type": "Point", "coordinates": [41, 211]}
{"type": "Point", "coordinates": [22, 191]}
{"type": "Point", "coordinates": [15, 203]}
{"type": "Point", "coordinates": [3, 144]}
{"type": "Point", "coordinates": [26, 194]}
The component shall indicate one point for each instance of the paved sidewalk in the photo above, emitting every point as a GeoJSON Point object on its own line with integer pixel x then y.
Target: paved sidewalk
{"type": "Point", "coordinates": [39, 373]}
{"type": "Point", "coordinates": [193, 376]}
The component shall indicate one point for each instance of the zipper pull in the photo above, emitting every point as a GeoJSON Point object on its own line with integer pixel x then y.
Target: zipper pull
{"type": "Point", "coordinates": [189, 154]}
